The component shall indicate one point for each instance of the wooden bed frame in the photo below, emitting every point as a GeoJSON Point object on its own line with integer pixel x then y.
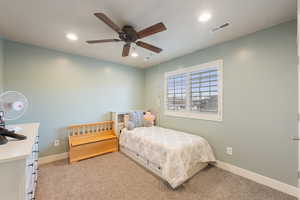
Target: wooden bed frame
{"type": "Point", "coordinates": [89, 140]}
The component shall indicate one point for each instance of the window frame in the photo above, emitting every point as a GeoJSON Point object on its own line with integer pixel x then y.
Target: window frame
{"type": "Point", "coordinates": [187, 113]}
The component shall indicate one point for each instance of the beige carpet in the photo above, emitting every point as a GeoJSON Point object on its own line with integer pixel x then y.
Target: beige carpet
{"type": "Point", "coordinates": [114, 176]}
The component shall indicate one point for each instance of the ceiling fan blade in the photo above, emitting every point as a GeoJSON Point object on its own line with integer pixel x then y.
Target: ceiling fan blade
{"type": "Point", "coordinates": [102, 41]}
{"type": "Point", "coordinates": [149, 46]}
{"type": "Point", "coordinates": [152, 30]}
{"type": "Point", "coordinates": [108, 21]}
{"type": "Point", "coordinates": [126, 49]}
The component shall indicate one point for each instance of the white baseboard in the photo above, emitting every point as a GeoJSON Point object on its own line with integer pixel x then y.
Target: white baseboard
{"type": "Point", "coordinates": [272, 183]}
{"type": "Point", "coordinates": [52, 158]}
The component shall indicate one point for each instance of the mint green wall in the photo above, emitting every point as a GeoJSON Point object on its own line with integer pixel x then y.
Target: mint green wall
{"type": "Point", "coordinates": [65, 89]}
{"type": "Point", "coordinates": [260, 96]}
{"type": "Point", "coordinates": [260, 101]}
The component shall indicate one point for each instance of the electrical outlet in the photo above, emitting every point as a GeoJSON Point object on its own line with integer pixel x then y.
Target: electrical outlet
{"type": "Point", "coordinates": [229, 150]}
{"type": "Point", "coordinates": [56, 143]}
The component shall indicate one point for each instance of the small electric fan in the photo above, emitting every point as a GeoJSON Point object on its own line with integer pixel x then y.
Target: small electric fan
{"type": "Point", "coordinates": [12, 106]}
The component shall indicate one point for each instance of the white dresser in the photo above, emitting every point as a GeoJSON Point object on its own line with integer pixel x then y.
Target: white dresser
{"type": "Point", "coordinates": [18, 165]}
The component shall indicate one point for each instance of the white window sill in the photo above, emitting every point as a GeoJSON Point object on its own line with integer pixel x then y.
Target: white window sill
{"type": "Point", "coordinates": [209, 117]}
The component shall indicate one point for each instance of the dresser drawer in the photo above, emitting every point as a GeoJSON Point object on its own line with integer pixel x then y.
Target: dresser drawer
{"type": "Point", "coordinates": [31, 170]}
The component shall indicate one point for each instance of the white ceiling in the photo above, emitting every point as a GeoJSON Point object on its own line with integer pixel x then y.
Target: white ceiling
{"type": "Point", "coordinates": [45, 23]}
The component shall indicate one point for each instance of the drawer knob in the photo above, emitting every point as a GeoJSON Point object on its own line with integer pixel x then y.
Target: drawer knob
{"type": "Point", "coordinates": [31, 192]}
{"type": "Point", "coordinates": [30, 165]}
{"type": "Point", "coordinates": [35, 151]}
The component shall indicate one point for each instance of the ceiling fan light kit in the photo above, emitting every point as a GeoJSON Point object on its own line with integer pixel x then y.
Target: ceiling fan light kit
{"type": "Point", "coordinates": [129, 35]}
{"type": "Point", "coordinates": [134, 54]}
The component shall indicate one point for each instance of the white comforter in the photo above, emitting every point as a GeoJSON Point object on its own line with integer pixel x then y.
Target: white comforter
{"type": "Point", "coordinates": [176, 152]}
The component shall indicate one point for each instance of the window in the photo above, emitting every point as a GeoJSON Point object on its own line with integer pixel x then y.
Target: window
{"type": "Point", "coordinates": [177, 92]}
{"type": "Point", "coordinates": [195, 92]}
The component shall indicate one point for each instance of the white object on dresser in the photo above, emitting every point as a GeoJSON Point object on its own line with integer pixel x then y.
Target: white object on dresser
{"type": "Point", "coordinates": [18, 165]}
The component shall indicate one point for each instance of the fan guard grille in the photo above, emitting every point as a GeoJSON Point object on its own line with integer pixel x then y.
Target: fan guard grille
{"type": "Point", "coordinates": [7, 99]}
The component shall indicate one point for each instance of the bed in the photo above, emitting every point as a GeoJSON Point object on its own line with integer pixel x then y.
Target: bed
{"type": "Point", "coordinates": [172, 155]}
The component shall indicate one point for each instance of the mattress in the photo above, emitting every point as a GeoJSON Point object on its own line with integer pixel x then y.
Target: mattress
{"type": "Point", "coordinates": [176, 153]}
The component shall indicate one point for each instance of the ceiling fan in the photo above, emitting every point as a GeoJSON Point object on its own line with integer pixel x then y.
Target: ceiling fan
{"type": "Point", "coordinates": [128, 35]}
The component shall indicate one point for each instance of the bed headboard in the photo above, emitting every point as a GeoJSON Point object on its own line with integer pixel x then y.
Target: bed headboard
{"type": "Point", "coordinates": [120, 119]}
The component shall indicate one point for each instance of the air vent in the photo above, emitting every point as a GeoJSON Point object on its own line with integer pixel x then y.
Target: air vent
{"type": "Point", "coordinates": [218, 28]}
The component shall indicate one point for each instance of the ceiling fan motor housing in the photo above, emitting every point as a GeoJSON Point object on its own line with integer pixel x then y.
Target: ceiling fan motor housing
{"type": "Point", "coordinates": [128, 34]}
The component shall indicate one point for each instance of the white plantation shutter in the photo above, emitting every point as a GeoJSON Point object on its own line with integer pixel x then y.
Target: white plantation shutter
{"type": "Point", "coordinates": [204, 90]}
{"type": "Point", "coordinates": [195, 92]}
{"type": "Point", "coordinates": [176, 92]}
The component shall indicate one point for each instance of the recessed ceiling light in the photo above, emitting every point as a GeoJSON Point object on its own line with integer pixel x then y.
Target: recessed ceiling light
{"type": "Point", "coordinates": [134, 54]}
{"type": "Point", "coordinates": [72, 36]}
{"type": "Point", "coordinates": [204, 17]}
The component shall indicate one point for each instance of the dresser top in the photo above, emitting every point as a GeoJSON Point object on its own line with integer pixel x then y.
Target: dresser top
{"type": "Point", "coordinates": [19, 149]}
